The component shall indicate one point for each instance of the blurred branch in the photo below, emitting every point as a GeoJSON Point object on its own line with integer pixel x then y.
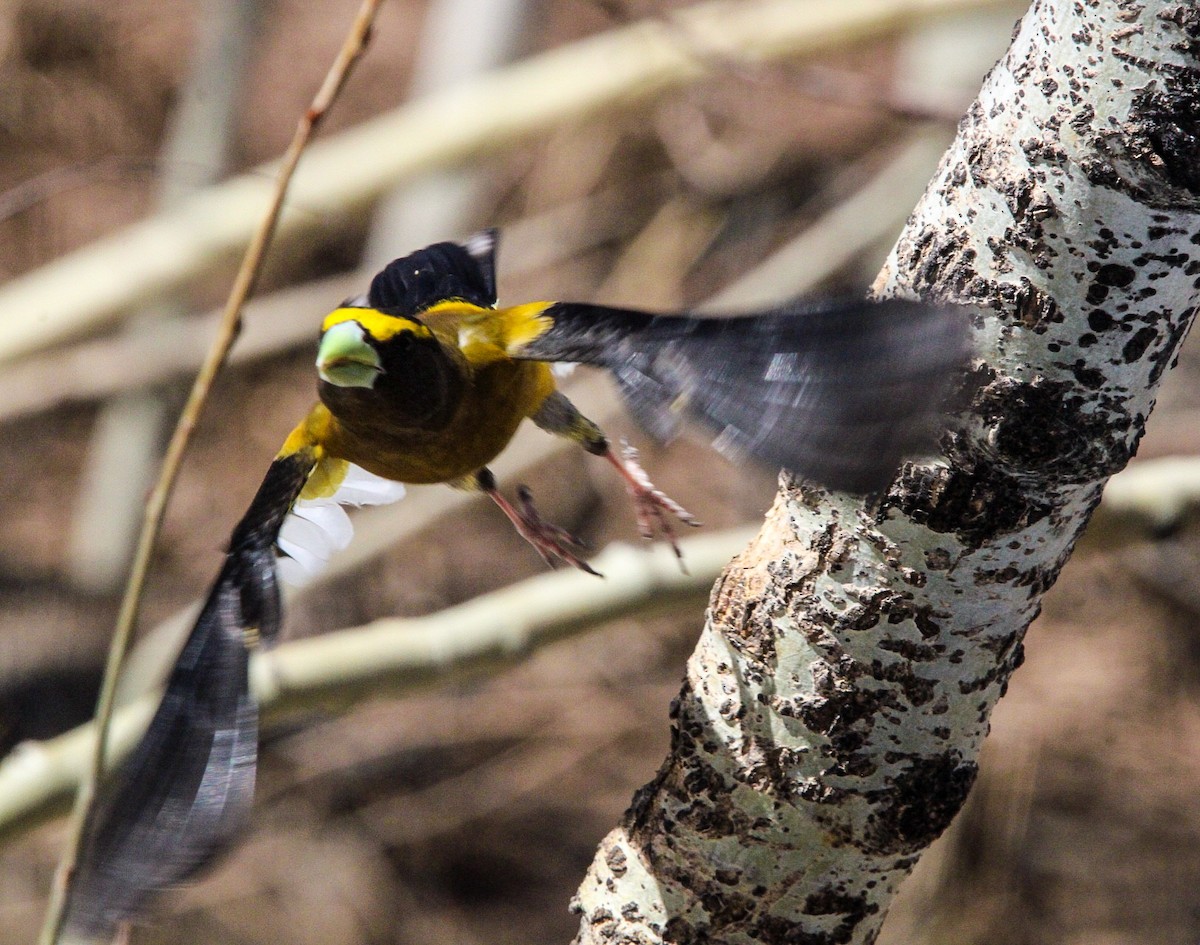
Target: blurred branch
{"type": "Point", "coordinates": [104, 366]}
{"type": "Point", "coordinates": [352, 49]}
{"type": "Point", "coordinates": [99, 284]}
{"type": "Point", "coordinates": [907, 100]}
{"type": "Point", "coordinates": [650, 270]}
{"type": "Point", "coordinates": [460, 41]}
{"type": "Point", "coordinates": [345, 667]}
{"type": "Point", "coordinates": [877, 209]}
{"type": "Point", "coordinates": [1146, 501]}
{"type": "Point", "coordinates": [535, 708]}
{"type": "Point", "coordinates": [496, 785]}
{"type": "Point", "coordinates": [112, 168]}
{"type": "Point", "coordinates": [128, 436]}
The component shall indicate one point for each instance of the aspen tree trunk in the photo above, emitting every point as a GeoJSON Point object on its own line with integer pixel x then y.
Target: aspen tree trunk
{"type": "Point", "coordinates": [833, 711]}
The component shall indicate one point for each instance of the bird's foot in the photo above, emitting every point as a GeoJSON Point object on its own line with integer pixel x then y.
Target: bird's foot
{"type": "Point", "coordinates": [651, 505]}
{"type": "Point", "coordinates": [550, 541]}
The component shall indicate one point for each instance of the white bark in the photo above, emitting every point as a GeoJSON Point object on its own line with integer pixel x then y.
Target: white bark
{"type": "Point", "coordinates": [830, 722]}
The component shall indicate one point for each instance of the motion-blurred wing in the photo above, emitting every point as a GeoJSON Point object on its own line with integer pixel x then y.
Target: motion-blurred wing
{"type": "Point", "coordinates": [187, 788]}
{"type": "Point", "coordinates": [839, 394]}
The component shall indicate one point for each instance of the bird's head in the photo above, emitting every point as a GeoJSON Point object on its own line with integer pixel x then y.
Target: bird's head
{"type": "Point", "coordinates": [379, 362]}
{"type": "Point", "coordinates": [381, 368]}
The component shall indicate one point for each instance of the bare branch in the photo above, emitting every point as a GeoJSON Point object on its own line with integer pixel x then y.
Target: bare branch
{"type": "Point", "coordinates": [344, 667]}
{"type": "Point", "coordinates": [1147, 501]}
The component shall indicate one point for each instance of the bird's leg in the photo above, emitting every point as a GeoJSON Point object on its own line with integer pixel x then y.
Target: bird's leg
{"type": "Point", "coordinates": [651, 505]}
{"type": "Point", "coordinates": [549, 540]}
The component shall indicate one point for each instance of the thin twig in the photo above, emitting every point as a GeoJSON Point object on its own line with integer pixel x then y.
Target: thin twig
{"type": "Point", "coordinates": [352, 49]}
{"type": "Point", "coordinates": [36, 190]}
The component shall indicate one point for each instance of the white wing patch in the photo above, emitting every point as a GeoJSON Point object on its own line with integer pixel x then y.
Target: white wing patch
{"type": "Point", "coordinates": [564, 368]}
{"type": "Point", "coordinates": [317, 528]}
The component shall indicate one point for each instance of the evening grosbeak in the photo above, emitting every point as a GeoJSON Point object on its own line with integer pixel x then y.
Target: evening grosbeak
{"type": "Point", "coordinates": [425, 380]}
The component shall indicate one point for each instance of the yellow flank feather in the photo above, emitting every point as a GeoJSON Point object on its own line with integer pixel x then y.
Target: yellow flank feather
{"type": "Point", "coordinates": [488, 335]}
{"type": "Point", "coordinates": [309, 437]}
{"type": "Point", "coordinates": [309, 433]}
{"type": "Point", "coordinates": [458, 310]}
{"type": "Point", "coordinates": [505, 330]}
{"type": "Point", "coordinates": [378, 325]}
{"type": "Point", "coordinates": [523, 323]}
{"type": "Point", "coordinates": [477, 332]}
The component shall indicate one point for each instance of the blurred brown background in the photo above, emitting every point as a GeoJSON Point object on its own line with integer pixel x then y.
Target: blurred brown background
{"type": "Point", "coordinates": [468, 813]}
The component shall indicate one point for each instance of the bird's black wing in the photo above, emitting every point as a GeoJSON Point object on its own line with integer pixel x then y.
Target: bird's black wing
{"type": "Point", "coordinates": [839, 393]}
{"type": "Point", "coordinates": [186, 789]}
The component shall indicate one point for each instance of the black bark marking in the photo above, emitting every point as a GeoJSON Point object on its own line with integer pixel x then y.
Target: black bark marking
{"type": "Point", "coordinates": [743, 617]}
{"type": "Point", "coordinates": [1167, 355]}
{"type": "Point", "coordinates": [1008, 664]}
{"type": "Point", "coordinates": [777, 930]}
{"type": "Point", "coordinates": [1186, 16]}
{"type": "Point", "coordinates": [723, 906]}
{"type": "Point", "coordinates": [1089, 377]}
{"type": "Point", "coordinates": [1155, 156]}
{"type": "Point", "coordinates": [913, 651]}
{"type": "Point", "coordinates": [1115, 275]}
{"type": "Point", "coordinates": [1136, 346]}
{"type": "Point", "coordinates": [1048, 428]}
{"type": "Point", "coordinates": [1035, 310]}
{"type": "Point", "coordinates": [917, 691]}
{"type": "Point", "coordinates": [918, 805]}
{"type": "Point", "coordinates": [837, 707]}
{"type": "Point", "coordinates": [937, 559]}
{"type": "Point", "coordinates": [1170, 121]}
{"type": "Point", "coordinates": [972, 504]}
{"type": "Point", "coordinates": [617, 862]}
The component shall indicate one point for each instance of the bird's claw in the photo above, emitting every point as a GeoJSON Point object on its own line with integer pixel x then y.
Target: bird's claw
{"type": "Point", "coordinates": [651, 505]}
{"type": "Point", "coordinates": [549, 540]}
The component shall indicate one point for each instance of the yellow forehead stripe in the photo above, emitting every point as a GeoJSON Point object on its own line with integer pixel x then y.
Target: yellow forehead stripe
{"type": "Point", "coordinates": [375, 323]}
{"type": "Point", "coordinates": [455, 307]}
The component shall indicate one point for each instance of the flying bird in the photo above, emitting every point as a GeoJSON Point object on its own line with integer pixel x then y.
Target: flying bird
{"type": "Point", "coordinates": [425, 380]}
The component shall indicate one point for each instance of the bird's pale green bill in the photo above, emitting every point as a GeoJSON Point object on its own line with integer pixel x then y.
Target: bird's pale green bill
{"type": "Point", "coordinates": [346, 358]}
